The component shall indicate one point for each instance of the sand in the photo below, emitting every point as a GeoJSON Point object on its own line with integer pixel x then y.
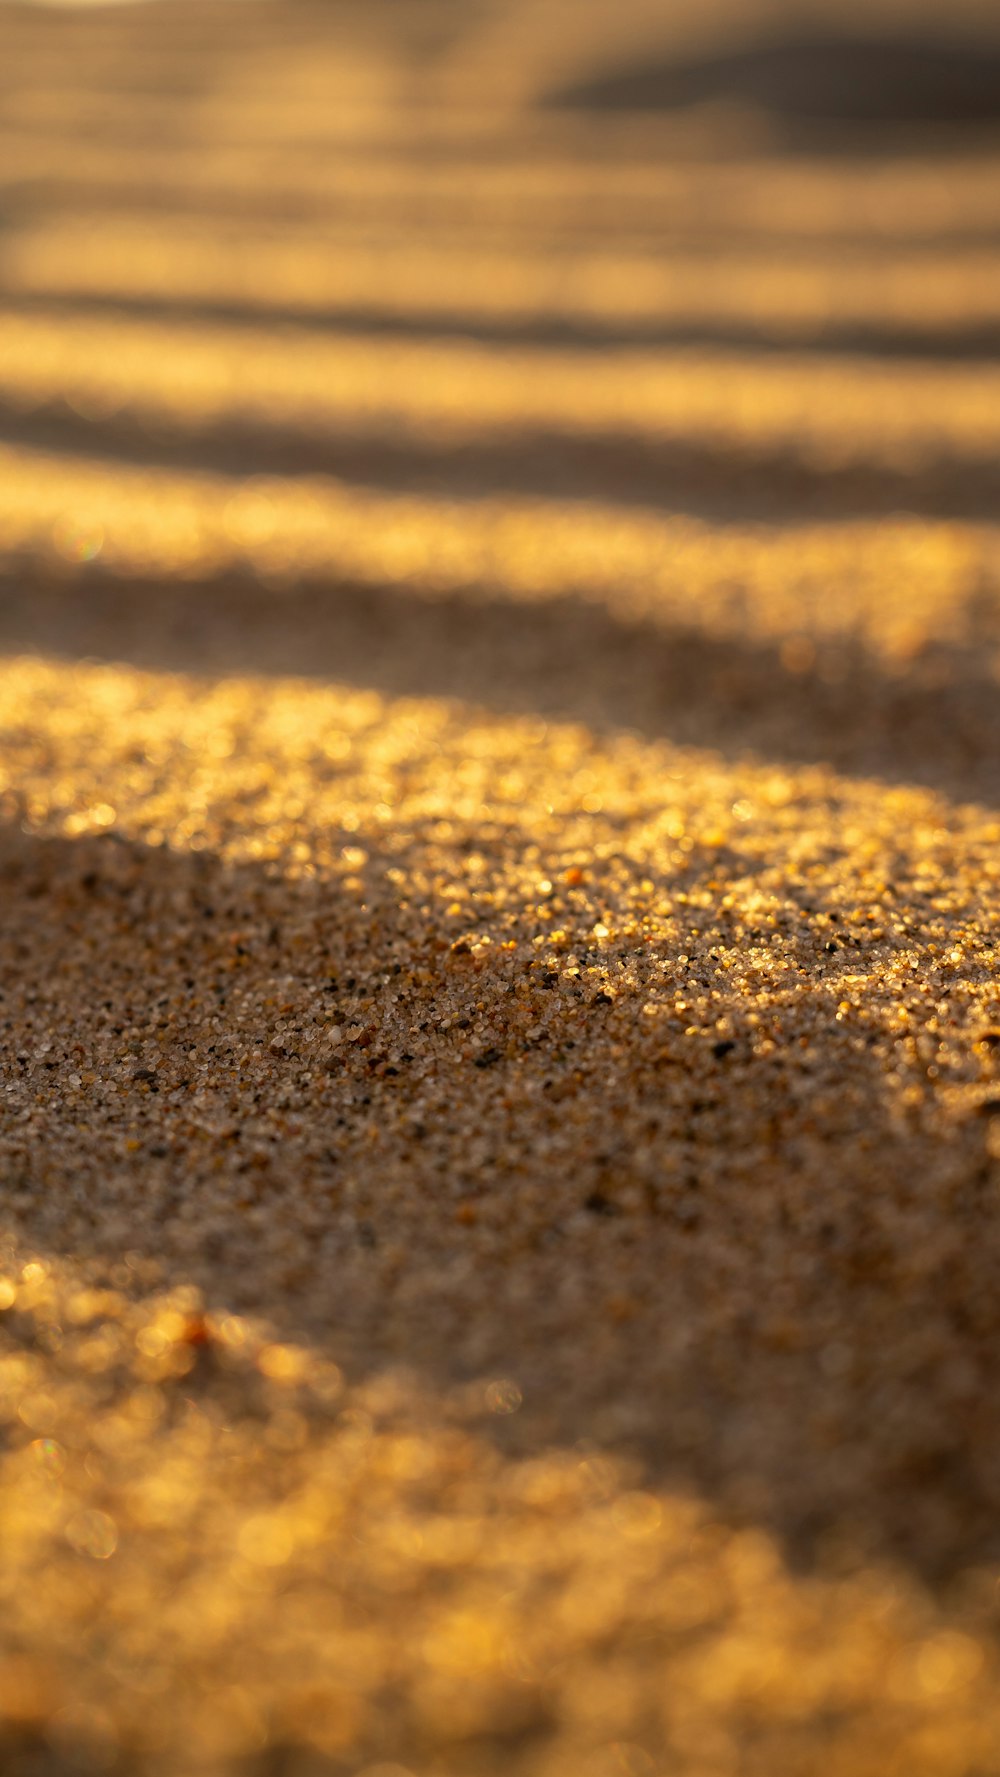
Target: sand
{"type": "Point", "coordinates": [500, 1024]}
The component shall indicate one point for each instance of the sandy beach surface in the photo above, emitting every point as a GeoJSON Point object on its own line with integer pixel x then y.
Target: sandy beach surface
{"type": "Point", "coordinates": [499, 890]}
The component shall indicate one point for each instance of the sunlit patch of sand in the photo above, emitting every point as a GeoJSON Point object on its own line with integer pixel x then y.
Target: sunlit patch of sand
{"type": "Point", "coordinates": [794, 295]}
{"type": "Point", "coordinates": [831, 412]}
{"type": "Point", "coordinates": [894, 587]}
{"type": "Point", "coordinates": [250, 1530]}
{"type": "Point", "coordinates": [647, 201]}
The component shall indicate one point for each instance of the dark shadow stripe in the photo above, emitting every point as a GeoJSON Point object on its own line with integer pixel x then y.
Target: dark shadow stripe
{"type": "Point", "coordinates": [938, 724]}
{"type": "Point", "coordinates": [579, 221]}
{"type": "Point", "coordinates": [897, 339]}
{"type": "Point", "coordinates": [722, 480]}
{"type": "Point", "coordinates": [868, 85]}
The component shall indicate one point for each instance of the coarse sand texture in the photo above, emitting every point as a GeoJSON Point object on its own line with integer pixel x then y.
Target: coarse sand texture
{"type": "Point", "coordinates": [499, 904]}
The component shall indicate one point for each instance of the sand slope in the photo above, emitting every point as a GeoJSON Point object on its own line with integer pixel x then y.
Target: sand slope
{"type": "Point", "coordinates": [500, 794]}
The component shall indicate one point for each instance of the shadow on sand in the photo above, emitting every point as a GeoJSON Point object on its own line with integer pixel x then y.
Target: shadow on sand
{"type": "Point", "coordinates": [834, 89]}
{"type": "Point", "coordinates": [710, 475]}
{"type": "Point", "coordinates": [902, 337]}
{"type": "Point", "coordinates": [935, 723]}
{"type": "Point", "coordinates": [758, 1205]}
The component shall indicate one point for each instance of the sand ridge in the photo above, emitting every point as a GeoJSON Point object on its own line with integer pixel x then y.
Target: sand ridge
{"type": "Point", "coordinates": [499, 845]}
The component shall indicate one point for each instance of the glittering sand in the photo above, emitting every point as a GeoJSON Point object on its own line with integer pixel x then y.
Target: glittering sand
{"type": "Point", "coordinates": [500, 859]}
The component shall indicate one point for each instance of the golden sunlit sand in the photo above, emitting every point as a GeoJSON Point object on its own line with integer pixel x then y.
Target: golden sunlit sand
{"type": "Point", "coordinates": [500, 852]}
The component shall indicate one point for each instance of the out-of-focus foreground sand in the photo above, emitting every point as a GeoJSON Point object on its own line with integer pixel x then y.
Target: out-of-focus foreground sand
{"type": "Point", "coordinates": [500, 789]}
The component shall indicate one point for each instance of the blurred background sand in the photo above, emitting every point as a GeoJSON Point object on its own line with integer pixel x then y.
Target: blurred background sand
{"type": "Point", "coordinates": [499, 659]}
